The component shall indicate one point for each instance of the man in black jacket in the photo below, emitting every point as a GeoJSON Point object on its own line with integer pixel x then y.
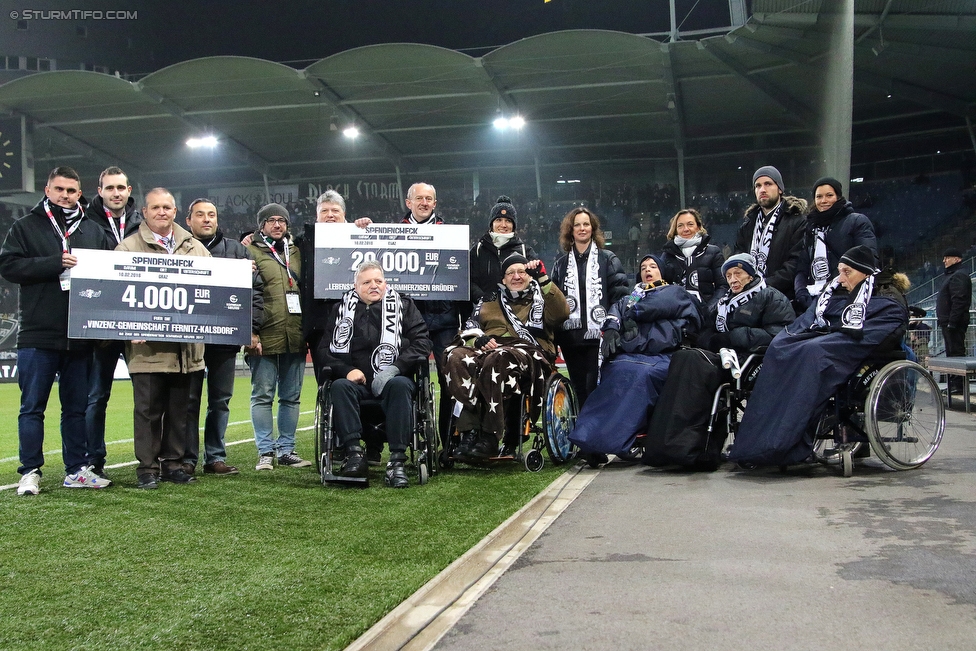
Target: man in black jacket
{"type": "Point", "coordinates": [37, 255]}
{"type": "Point", "coordinates": [377, 339]}
{"type": "Point", "coordinates": [952, 308]}
{"type": "Point", "coordinates": [221, 360]}
{"type": "Point", "coordinates": [772, 230]}
{"type": "Point", "coordinates": [114, 210]}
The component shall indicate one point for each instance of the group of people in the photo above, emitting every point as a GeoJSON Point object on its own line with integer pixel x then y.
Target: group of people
{"type": "Point", "coordinates": [779, 290]}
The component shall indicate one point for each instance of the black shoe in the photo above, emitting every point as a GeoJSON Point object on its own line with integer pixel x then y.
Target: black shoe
{"type": "Point", "coordinates": [508, 450]}
{"type": "Point", "coordinates": [485, 447]}
{"type": "Point", "coordinates": [355, 463]}
{"type": "Point", "coordinates": [396, 476]}
{"type": "Point", "coordinates": [596, 459]}
{"type": "Point", "coordinates": [468, 439]}
{"type": "Point", "coordinates": [177, 477]}
{"type": "Point", "coordinates": [147, 482]}
{"type": "Point", "coordinates": [374, 456]}
{"type": "Point", "coordinates": [100, 471]}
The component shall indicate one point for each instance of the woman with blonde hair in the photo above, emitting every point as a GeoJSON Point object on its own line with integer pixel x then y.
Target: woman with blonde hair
{"type": "Point", "coordinates": [689, 259]}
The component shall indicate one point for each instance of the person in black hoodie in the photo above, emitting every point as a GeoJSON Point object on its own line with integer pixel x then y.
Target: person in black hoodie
{"type": "Point", "coordinates": [221, 360]}
{"type": "Point", "coordinates": [832, 227]}
{"type": "Point", "coordinates": [37, 255]}
{"type": "Point", "coordinates": [952, 307]}
{"type": "Point", "coordinates": [497, 244]}
{"type": "Point", "coordinates": [593, 279]}
{"type": "Point", "coordinates": [114, 210]}
{"type": "Point", "coordinates": [689, 259]}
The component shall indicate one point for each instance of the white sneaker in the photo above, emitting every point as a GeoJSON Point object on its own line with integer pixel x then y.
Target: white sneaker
{"type": "Point", "coordinates": [85, 478]}
{"type": "Point", "coordinates": [265, 462]}
{"type": "Point", "coordinates": [29, 484]}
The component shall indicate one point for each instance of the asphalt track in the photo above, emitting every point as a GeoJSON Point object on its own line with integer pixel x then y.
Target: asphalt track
{"type": "Point", "coordinates": [629, 557]}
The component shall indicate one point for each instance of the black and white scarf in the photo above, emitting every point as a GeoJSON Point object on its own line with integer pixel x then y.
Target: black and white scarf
{"type": "Point", "coordinates": [595, 312]}
{"type": "Point", "coordinates": [534, 320]}
{"type": "Point", "coordinates": [762, 237]}
{"type": "Point", "coordinates": [819, 267]}
{"type": "Point", "coordinates": [728, 304]}
{"type": "Point", "coordinates": [854, 313]}
{"type": "Point", "coordinates": [391, 322]}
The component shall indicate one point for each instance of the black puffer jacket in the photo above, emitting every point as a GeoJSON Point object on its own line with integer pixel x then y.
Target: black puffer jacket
{"type": "Point", "coordinates": [702, 275]}
{"type": "Point", "coordinates": [485, 263]}
{"type": "Point", "coordinates": [784, 252]}
{"type": "Point", "coordinates": [221, 247]}
{"type": "Point", "coordinates": [31, 258]}
{"type": "Point", "coordinates": [753, 325]}
{"type": "Point", "coordinates": [955, 297]}
{"type": "Point", "coordinates": [613, 281]}
{"type": "Point", "coordinates": [847, 230]}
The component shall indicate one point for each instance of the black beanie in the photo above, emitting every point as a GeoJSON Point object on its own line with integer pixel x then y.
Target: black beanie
{"type": "Point", "coordinates": [861, 258]}
{"type": "Point", "coordinates": [832, 182]}
{"type": "Point", "coordinates": [515, 258]}
{"type": "Point", "coordinates": [503, 208]}
{"type": "Point", "coordinates": [271, 210]}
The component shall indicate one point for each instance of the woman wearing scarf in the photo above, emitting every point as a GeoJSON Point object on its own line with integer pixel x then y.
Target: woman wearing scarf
{"type": "Point", "coordinates": [639, 335]}
{"type": "Point", "coordinates": [745, 319]}
{"type": "Point", "coordinates": [689, 260]}
{"type": "Point", "coordinates": [860, 312]}
{"type": "Point", "coordinates": [506, 348]}
{"type": "Point", "coordinates": [592, 279]}
{"type": "Point", "coordinates": [494, 246]}
{"type": "Point", "coordinates": [832, 227]}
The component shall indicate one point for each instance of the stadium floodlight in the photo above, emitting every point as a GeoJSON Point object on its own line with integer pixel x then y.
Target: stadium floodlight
{"type": "Point", "coordinates": [502, 123]}
{"type": "Point", "coordinates": [351, 132]}
{"type": "Point", "coordinates": [206, 141]}
{"type": "Point", "coordinates": [516, 122]}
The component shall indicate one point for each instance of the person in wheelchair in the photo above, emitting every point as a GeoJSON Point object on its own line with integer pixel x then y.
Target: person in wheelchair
{"type": "Point", "coordinates": [861, 311]}
{"type": "Point", "coordinates": [746, 317]}
{"type": "Point", "coordinates": [505, 349]}
{"type": "Point", "coordinates": [377, 342]}
{"type": "Point", "coordinates": [641, 332]}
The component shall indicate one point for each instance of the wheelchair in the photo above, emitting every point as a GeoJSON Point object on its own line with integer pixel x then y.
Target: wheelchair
{"type": "Point", "coordinates": [421, 454]}
{"type": "Point", "coordinates": [892, 407]}
{"type": "Point", "coordinates": [524, 439]}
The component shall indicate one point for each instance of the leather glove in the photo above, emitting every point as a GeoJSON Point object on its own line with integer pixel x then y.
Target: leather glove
{"type": "Point", "coordinates": [381, 378]}
{"type": "Point", "coordinates": [538, 272]}
{"type": "Point", "coordinates": [610, 344]}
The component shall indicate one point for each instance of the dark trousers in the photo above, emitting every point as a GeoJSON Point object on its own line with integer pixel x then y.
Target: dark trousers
{"type": "Point", "coordinates": [955, 342]}
{"type": "Point", "coordinates": [396, 401]}
{"type": "Point", "coordinates": [581, 362]}
{"type": "Point", "coordinates": [36, 370]}
{"type": "Point", "coordinates": [159, 419]}
{"type": "Point", "coordinates": [102, 375]}
{"type": "Point", "coordinates": [221, 366]}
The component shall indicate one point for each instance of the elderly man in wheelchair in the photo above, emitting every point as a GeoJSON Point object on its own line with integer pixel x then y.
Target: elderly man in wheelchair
{"type": "Point", "coordinates": [860, 314]}
{"type": "Point", "coordinates": [505, 350]}
{"type": "Point", "coordinates": [378, 340]}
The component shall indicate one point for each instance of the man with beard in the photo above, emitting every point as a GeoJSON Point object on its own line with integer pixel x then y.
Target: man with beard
{"type": "Point", "coordinates": [772, 230]}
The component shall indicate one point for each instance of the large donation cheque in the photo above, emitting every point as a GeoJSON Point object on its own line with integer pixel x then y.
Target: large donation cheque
{"type": "Point", "coordinates": [426, 262]}
{"type": "Point", "coordinates": [152, 297]}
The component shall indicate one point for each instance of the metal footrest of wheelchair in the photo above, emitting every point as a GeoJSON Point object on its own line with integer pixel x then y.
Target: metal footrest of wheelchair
{"type": "Point", "coordinates": [329, 478]}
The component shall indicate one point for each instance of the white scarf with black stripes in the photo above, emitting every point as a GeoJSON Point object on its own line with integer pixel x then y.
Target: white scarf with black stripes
{"type": "Point", "coordinates": [534, 320]}
{"type": "Point", "coordinates": [819, 267]}
{"type": "Point", "coordinates": [762, 238]}
{"type": "Point", "coordinates": [391, 322]}
{"type": "Point", "coordinates": [854, 314]}
{"type": "Point", "coordinates": [595, 312]}
{"type": "Point", "coordinates": [728, 304]}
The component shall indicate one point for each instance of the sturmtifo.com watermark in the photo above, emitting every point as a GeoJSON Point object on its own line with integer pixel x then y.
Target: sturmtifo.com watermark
{"type": "Point", "coordinates": [73, 14]}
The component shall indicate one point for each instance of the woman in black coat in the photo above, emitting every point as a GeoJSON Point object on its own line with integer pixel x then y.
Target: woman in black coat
{"type": "Point", "coordinates": [497, 244]}
{"type": "Point", "coordinates": [832, 227]}
{"type": "Point", "coordinates": [689, 260]}
{"type": "Point", "coordinates": [593, 279]}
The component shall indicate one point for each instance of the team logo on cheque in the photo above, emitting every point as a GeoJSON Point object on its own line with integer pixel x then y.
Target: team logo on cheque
{"type": "Point", "coordinates": [384, 355]}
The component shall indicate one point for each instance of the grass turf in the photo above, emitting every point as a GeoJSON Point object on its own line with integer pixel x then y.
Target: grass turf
{"type": "Point", "coordinates": [263, 560]}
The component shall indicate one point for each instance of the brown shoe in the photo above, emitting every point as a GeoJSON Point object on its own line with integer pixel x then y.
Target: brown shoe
{"type": "Point", "coordinates": [189, 468]}
{"type": "Point", "coordinates": [219, 468]}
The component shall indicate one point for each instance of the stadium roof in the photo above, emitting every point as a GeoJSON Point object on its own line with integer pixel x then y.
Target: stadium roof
{"type": "Point", "coordinates": [589, 97]}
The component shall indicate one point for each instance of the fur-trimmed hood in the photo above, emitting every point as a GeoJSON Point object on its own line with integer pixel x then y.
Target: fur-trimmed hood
{"type": "Point", "coordinates": [793, 206]}
{"type": "Point", "coordinates": [900, 282]}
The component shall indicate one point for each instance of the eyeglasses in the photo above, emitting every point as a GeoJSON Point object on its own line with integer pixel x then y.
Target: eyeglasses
{"type": "Point", "coordinates": [516, 272]}
{"type": "Point", "coordinates": [276, 220]}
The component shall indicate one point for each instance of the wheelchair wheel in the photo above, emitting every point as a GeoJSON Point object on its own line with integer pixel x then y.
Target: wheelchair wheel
{"type": "Point", "coordinates": [904, 415]}
{"type": "Point", "coordinates": [534, 460]}
{"type": "Point", "coordinates": [830, 444]}
{"type": "Point", "coordinates": [558, 418]}
{"type": "Point", "coordinates": [321, 427]}
{"type": "Point", "coordinates": [427, 433]}
{"type": "Point", "coordinates": [423, 472]}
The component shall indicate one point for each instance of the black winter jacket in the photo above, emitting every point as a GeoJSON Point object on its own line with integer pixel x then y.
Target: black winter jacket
{"type": "Point", "coordinates": [753, 325]}
{"type": "Point", "coordinates": [31, 258]}
{"type": "Point", "coordinates": [613, 282]}
{"type": "Point", "coordinates": [439, 315]}
{"type": "Point", "coordinates": [704, 274]}
{"type": "Point", "coordinates": [955, 298]}
{"type": "Point", "coordinates": [784, 251]}
{"type": "Point", "coordinates": [414, 341]}
{"type": "Point", "coordinates": [485, 263]}
{"type": "Point", "coordinates": [221, 247]}
{"type": "Point", "coordinates": [96, 213]}
{"type": "Point", "coordinates": [847, 230]}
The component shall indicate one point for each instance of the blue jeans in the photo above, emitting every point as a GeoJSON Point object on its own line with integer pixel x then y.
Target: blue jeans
{"type": "Point", "coordinates": [101, 377]}
{"type": "Point", "coordinates": [286, 373]}
{"type": "Point", "coordinates": [221, 364]}
{"type": "Point", "coordinates": [37, 368]}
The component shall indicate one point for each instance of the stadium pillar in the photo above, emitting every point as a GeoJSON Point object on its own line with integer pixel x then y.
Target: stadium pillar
{"type": "Point", "coordinates": [399, 182]}
{"type": "Point", "coordinates": [837, 108]}
{"type": "Point", "coordinates": [681, 176]}
{"type": "Point", "coordinates": [969, 127]}
{"type": "Point", "coordinates": [538, 179]}
{"type": "Point", "coordinates": [475, 185]}
{"type": "Point", "coordinates": [267, 190]}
